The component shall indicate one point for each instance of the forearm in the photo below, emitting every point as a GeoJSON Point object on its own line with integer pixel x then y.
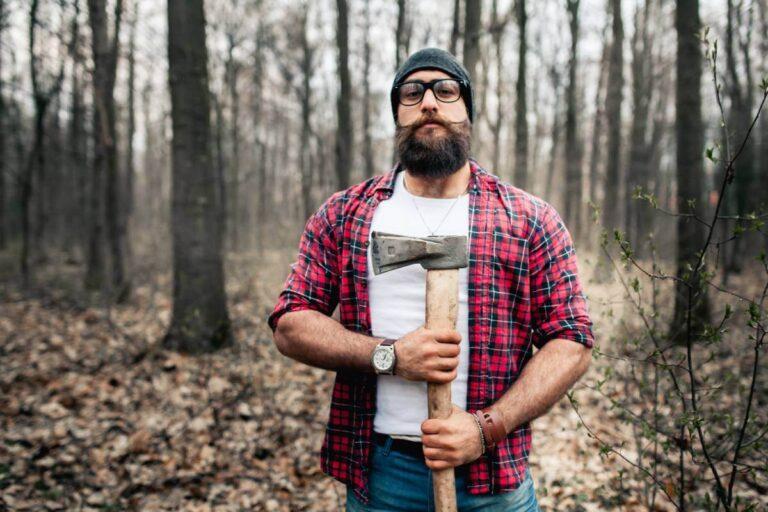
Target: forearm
{"type": "Point", "coordinates": [317, 340]}
{"type": "Point", "coordinates": [543, 381]}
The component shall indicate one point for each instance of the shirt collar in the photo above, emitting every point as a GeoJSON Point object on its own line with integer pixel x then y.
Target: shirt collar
{"type": "Point", "coordinates": [479, 180]}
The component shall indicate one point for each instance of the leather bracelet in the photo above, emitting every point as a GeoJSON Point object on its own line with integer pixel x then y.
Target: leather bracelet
{"type": "Point", "coordinates": [482, 435]}
{"type": "Point", "coordinates": [492, 425]}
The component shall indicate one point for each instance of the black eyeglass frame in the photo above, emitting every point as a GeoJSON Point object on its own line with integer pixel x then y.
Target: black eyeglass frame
{"type": "Point", "coordinates": [463, 90]}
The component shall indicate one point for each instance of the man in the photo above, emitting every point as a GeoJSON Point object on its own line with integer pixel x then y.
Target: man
{"type": "Point", "coordinates": [520, 289]}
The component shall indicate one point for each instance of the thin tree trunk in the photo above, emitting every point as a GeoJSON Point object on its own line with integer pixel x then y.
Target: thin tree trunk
{"type": "Point", "coordinates": [3, 117]}
{"type": "Point", "coordinates": [233, 191]}
{"type": "Point", "coordinates": [612, 202]}
{"type": "Point", "coordinates": [637, 214]}
{"type": "Point", "coordinates": [36, 162]}
{"type": "Point", "coordinates": [521, 118]}
{"type": "Point", "coordinates": [345, 133]}
{"type": "Point", "coordinates": [472, 17]}
{"type": "Point", "coordinates": [369, 169]}
{"type": "Point", "coordinates": [401, 33]}
{"type": "Point", "coordinates": [554, 75]}
{"type": "Point", "coordinates": [200, 321]}
{"type": "Point", "coordinates": [690, 171]}
{"type": "Point", "coordinates": [456, 28]}
{"type": "Point", "coordinates": [105, 56]}
{"type": "Point", "coordinates": [596, 158]}
{"type": "Point", "coordinates": [573, 178]}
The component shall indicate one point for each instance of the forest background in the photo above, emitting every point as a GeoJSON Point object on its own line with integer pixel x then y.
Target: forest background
{"type": "Point", "coordinates": [154, 184]}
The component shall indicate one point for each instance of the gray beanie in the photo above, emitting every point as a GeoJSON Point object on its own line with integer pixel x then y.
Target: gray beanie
{"type": "Point", "coordinates": [434, 58]}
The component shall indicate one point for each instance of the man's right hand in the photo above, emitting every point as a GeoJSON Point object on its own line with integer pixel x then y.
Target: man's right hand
{"type": "Point", "coordinates": [428, 355]}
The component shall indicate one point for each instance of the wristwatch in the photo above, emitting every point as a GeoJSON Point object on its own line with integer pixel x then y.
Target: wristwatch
{"type": "Point", "coordinates": [383, 358]}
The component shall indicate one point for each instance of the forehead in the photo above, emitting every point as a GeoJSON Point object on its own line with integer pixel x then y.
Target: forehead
{"type": "Point", "coordinates": [426, 75]}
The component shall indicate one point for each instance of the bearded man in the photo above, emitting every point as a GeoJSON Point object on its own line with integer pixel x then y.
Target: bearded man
{"type": "Point", "coordinates": [521, 290]}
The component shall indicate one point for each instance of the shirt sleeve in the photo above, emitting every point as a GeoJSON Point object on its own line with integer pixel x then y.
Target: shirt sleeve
{"type": "Point", "coordinates": [313, 281]}
{"type": "Point", "coordinates": [558, 304]}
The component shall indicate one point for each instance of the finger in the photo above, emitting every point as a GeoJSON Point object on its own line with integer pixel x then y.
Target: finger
{"type": "Point", "coordinates": [448, 350]}
{"type": "Point", "coordinates": [447, 364]}
{"type": "Point", "coordinates": [447, 336]}
{"type": "Point", "coordinates": [437, 454]}
{"type": "Point", "coordinates": [438, 464]}
{"type": "Point", "coordinates": [433, 441]}
{"type": "Point", "coordinates": [430, 426]}
{"type": "Point", "coordinates": [442, 377]}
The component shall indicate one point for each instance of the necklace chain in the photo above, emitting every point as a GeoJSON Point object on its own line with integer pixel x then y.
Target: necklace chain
{"type": "Point", "coordinates": [413, 199]}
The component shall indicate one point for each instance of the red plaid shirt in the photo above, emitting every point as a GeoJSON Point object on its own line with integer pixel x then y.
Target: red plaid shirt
{"type": "Point", "coordinates": [523, 290]}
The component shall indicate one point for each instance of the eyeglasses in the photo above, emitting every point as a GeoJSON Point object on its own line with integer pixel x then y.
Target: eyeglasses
{"type": "Point", "coordinates": [446, 90]}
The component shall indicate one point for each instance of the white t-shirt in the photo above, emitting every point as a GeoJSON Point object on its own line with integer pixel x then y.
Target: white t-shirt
{"type": "Point", "coordinates": [397, 303]}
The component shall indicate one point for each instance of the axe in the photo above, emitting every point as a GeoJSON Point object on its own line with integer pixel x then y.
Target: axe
{"type": "Point", "coordinates": [442, 256]}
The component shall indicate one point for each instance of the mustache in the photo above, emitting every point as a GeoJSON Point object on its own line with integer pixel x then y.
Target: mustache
{"type": "Point", "coordinates": [430, 119]}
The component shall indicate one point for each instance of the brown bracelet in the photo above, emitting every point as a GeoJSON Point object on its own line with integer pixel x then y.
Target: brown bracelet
{"type": "Point", "coordinates": [491, 425]}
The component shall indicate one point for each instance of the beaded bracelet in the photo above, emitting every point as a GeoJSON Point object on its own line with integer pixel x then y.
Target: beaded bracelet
{"type": "Point", "coordinates": [482, 436]}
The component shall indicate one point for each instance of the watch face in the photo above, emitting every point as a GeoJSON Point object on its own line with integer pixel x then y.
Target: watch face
{"type": "Point", "coordinates": [383, 359]}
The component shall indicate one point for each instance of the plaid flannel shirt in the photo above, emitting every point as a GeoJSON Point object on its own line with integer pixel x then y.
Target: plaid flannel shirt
{"type": "Point", "coordinates": [523, 291]}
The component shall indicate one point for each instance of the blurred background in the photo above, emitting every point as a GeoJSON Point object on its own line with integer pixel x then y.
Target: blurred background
{"type": "Point", "coordinates": [154, 185]}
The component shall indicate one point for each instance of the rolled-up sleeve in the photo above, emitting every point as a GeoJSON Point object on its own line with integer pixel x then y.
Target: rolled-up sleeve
{"type": "Point", "coordinates": [558, 304]}
{"type": "Point", "coordinates": [313, 281]}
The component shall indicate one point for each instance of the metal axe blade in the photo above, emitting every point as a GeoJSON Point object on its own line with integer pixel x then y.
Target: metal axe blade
{"type": "Point", "coordinates": [392, 251]}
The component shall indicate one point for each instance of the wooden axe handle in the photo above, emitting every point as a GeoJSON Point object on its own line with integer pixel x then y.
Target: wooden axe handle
{"type": "Point", "coordinates": [441, 312]}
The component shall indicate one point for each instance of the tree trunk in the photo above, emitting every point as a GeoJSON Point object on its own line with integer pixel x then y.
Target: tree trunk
{"type": "Point", "coordinates": [554, 75]}
{"type": "Point", "coordinates": [456, 29]}
{"type": "Point", "coordinates": [345, 134]}
{"type": "Point", "coordinates": [36, 163]}
{"type": "Point", "coordinates": [233, 191]}
{"type": "Point", "coordinates": [105, 55]}
{"type": "Point", "coordinates": [637, 213]}
{"type": "Point", "coordinates": [369, 169]}
{"type": "Point", "coordinates": [472, 17]}
{"type": "Point", "coordinates": [401, 33]}
{"type": "Point", "coordinates": [305, 92]}
{"type": "Point", "coordinates": [612, 203]}
{"type": "Point", "coordinates": [200, 321]}
{"type": "Point", "coordinates": [596, 158]}
{"type": "Point", "coordinates": [572, 151]}
{"type": "Point", "coordinates": [3, 117]}
{"type": "Point", "coordinates": [690, 171]}
{"type": "Point", "coordinates": [521, 119]}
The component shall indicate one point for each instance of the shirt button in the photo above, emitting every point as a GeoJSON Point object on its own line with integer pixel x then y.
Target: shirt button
{"type": "Point", "coordinates": [367, 243]}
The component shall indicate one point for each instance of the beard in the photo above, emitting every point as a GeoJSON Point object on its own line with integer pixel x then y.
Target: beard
{"type": "Point", "coordinates": [433, 152]}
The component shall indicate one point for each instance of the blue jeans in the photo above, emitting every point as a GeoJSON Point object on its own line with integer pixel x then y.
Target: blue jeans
{"type": "Point", "coordinates": [402, 483]}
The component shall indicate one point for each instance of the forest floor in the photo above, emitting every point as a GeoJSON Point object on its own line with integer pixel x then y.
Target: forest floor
{"type": "Point", "coordinates": [95, 416]}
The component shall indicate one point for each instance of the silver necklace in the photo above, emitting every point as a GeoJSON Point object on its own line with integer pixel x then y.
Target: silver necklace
{"type": "Point", "coordinates": [432, 232]}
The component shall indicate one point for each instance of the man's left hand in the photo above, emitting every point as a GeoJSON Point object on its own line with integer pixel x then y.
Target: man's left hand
{"type": "Point", "coordinates": [452, 441]}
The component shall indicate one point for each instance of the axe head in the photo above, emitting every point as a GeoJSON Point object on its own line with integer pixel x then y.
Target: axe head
{"type": "Point", "coordinates": [391, 252]}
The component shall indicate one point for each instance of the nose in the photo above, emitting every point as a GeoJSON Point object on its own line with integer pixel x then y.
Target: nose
{"type": "Point", "coordinates": [428, 102]}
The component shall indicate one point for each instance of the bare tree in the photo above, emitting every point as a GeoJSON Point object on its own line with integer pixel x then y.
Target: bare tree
{"type": "Point", "coordinates": [691, 304]}
{"type": "Point", "coordinates": [42, 97]}
{"type": "Point", "coordinates": [637, 215]}
{"type": "Point", "coordinates": [345, 132]}
{"type": "Point", "coordinates": [740, 85]}
{"type": "Point", "coordinates": [572, 147]}
{"type": "Point", "coordinates": [200, 320]}
{"type": "Point", "coordinates": [3, 116]}
{"type": "Point", "coordinates": [369, 169]}
{"type": "Point", "coordinates": [456, 27]}
{"type": "Point", "coordinates": [105, 56]}
{"type": "Point", "coordinates": [472, 18]}
{"type": "Point", "coordinates": [612, 201]}
{"type": "Point", "coordinates": [402, 33]}
{"type": "Point", "coordinates": [521, 106]}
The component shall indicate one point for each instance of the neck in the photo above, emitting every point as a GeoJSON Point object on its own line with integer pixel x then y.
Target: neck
{"type": "Point", "coordinates": [439, 188]}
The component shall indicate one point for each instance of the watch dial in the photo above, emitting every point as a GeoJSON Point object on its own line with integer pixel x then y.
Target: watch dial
{"type": "Point", "coordinates": [382, 359]}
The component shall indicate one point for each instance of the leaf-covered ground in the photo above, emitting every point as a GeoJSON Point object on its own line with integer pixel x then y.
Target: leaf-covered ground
{"type": "Point", "coordinates": [94, 416]}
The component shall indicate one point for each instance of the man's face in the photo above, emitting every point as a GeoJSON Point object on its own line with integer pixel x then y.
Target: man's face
{"type": "Point", "coordinates": [432, 137]}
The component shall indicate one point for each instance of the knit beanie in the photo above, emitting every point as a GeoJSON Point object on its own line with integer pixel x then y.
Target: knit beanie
{"type": "Point", "coordinates": [434, 58]}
